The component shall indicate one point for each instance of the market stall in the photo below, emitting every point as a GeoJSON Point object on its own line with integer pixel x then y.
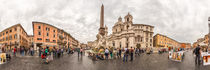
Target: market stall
{"type": "Point", "coordinates": [2, 58]}
{"type": "Point", "coordinates": [205, 55]}
{"type": "Point", "coordinates": [206, 58]}
{"type": "Point", "coordinates": [176, 55]}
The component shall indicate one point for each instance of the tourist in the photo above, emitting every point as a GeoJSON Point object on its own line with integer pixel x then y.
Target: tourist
{"type": "Point", "coordinates": [131, 51]}
{"type": "Point", "coordinates": [14, 51]}
{"type": "Point", "coordinates": [81, 51]}
{"type": "Point", "coordinates": [197, 52]}
{"type": "Point", "coordinates": [62, 51]}
{"type": "Point", "coordinates": [119, 52]}
{"type": "Point", "coordinates": [137, 51]}
{"type": "Point", "coordinates": [31, 51]}
{"type": "Point", "coordinates": [69, 50]}
{"type": "Point", "coordinates": [111, 54]}
{"type": "Point", "coordinates": [78, 52]}
{"type": "Point", "coordinates": [126, 52]}
{"type": "Point", "coordinates": [59, 52]}
{"type": "Point", "coordinates": [106, 53]}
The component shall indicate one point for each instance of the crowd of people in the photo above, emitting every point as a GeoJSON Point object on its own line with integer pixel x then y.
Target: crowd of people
{"type": "Point", "coordinates": [117, 54]}
{"type": "Point", "coordinates": [47, 54]}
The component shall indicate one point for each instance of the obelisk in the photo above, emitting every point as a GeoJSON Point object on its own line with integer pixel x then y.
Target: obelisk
{"type": "Point", "coordinates": [102, 29]}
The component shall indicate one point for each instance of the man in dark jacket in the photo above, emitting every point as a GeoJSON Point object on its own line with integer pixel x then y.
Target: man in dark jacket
{"type": "Point", "coordinates": [197, 52]}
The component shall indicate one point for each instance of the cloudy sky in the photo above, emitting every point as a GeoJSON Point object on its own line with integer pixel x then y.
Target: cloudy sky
{"type": "Point", "coordinates": [182, 20]}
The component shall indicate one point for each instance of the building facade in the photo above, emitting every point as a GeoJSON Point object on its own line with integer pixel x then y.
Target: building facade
{"type": "Point", "coordinates": [14, 36]}
{"type": "Point", "coordinates": [124, 33]}
{"type": "Point", "coordinates": [186, 45]}
{"type": "Point", "coordinates": [46, 35]}
{"type": "Point", "coordinates": [165, 42]}
{"type": "Point", "coordinates": [127, 34]}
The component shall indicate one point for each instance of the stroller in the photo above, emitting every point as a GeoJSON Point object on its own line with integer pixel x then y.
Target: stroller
{"type": "Point", "coordinates": [46, 58]}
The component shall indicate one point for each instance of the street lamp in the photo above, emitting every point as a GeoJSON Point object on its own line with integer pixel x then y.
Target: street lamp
{"type": "Point", "coordinates": [209, 35]}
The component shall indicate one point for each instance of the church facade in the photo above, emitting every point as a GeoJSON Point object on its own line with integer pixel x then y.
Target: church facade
{"type": "Point", "coordinates": [124, 33]}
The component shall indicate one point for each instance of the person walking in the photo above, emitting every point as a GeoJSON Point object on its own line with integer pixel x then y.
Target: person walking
{"type": "Point", "coordinates": [197, 52]}
{"type": "Point", "coordinates": [69, 49]}
{"type": "Point", "coordinates": [14, 51]}
{"type": "Point", "coordinates": [81, 51]}
{"type": "Point", "coordinates": [40, 51]}
{"type": "Point", "coordinates": [31, 51]}
{"type": "Point", "coordinates": [78, 52]}
{"type": "Point", "coordinates": [62, 51]}
{"type": "Point", "coordinates": [111, 54]}
{"type": "Point", "coordinates": [120, 52]}
{"type": "Point", "coordinates": [132, 50]}
{"type": "Point", "coordinates": [106, 53]}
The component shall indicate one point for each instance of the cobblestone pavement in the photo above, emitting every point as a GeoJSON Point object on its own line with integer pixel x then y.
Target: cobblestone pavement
{"type": "Point", "coordinates": [72, 62]}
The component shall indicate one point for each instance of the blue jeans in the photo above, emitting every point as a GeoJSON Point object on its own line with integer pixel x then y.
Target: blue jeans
{"type": "Point", "coordinates": [125, 58]}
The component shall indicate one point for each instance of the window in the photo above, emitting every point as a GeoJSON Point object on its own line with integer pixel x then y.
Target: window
{"type": "Point", "coordinates": [47, 40]}
{"type": "Point", "coordinates": [53, 30]}
{"type": "Point", "coordinates": [151, 35]}
{"type": "Point", "coordinates": [146, 39]}
{"type": "Point", "coordinates": [39, 38]}
{"type": "Point", "coordinates": [3, 33]}
{"type": "Point", "coordinates": [0, 35]}
{"type": "Point", "coordinates": [54, 35]}
{"type": "Point", "coordinates": [47, 29]}
{"type": "Point", "coordinates": [127, 26]}
{"type": "Point", "coordinates": [120, 45]}
{"type": "Point", "coordinates": [141, 39]}
{"type": "Point", "coordinates": [10, 30]}
{"type": "Point", "coordinates": [39, 33]}
{"type": "Point", "coordinates": [10, 37]}
{"type": "Point", "coordinates": [150, 40]}
{"type": "Point", "coordinates": [15, 36]}
{"type": "Point", "coordinates": [15, 29]}
{"type": "Point", "coordinates": [7, 32]}
{"type": "Point", "coordinates": [6, 38]}
{"type": "Point", "coordinates": [54, 41]}
{"type": "Point", "coordinates": [147, 34]}
{"type": "Point", "coordinates": [113, 44]}
{"type": "Point", "coordinates": [47, 34]}
{"type": "Point", "coordinates": [39, 27]}
{"type": "Point", "coordinates": [3, 39]}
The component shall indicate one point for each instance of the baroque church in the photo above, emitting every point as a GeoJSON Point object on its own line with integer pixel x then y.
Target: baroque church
{"type": "Point", "coordinates": [124, 34]}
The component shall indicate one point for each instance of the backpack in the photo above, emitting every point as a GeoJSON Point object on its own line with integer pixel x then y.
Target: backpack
{"type": "Point", "coordinates": [127, 52]}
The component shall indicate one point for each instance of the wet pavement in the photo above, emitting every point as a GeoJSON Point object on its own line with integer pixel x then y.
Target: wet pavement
{"type": "Point", "coordinates": [72, 62]}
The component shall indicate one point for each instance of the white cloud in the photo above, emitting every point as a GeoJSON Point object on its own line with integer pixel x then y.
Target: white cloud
{"type": "Point", "coordinates": [182, 20]}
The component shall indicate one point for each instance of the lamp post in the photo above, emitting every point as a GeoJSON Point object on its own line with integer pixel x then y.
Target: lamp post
{"type": "Point", "coordinates": [209, 34]}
